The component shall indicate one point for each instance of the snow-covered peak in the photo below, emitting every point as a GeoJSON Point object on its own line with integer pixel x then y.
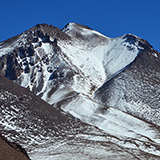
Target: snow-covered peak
{"type": "Point", "coordinates": [90, 57]}
{"type": "Point", "coordinates": [69, 26]}
{"type": "Point", "coordinates": [73, 25]}
{"type": "Point", "coordinates": [82, 32]}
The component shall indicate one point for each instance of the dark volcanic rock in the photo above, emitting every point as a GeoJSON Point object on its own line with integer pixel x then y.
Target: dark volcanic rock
{"type": "Point", "coordinates": [10, 67]}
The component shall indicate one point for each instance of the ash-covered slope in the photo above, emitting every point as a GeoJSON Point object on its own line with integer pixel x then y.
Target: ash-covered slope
{"type": "Point", "coordinates": [29, 118]}
{"type": "Point", "coordinates": [47, 133]}
{"type": "Point", "coordinates": [76, 69]}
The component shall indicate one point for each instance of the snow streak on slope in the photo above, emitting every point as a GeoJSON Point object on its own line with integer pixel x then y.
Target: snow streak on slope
{"type": "Point", "coordinates": [121, 52]}
{"type": "Point", "coordinates": [117, 123]}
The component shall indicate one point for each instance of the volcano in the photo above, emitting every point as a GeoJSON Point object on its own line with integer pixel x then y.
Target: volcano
{"type": "Point", "coordinates": [74, 93]}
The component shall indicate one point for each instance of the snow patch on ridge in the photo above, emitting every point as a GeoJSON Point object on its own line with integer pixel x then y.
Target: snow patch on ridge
{"type": "Point", "coordinates": [121, 52]}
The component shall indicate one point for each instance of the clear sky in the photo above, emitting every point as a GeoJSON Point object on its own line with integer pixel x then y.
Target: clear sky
{"type": "Point", "coordinates": [110, 17]}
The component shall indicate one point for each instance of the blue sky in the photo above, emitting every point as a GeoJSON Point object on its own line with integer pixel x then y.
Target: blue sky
{"type": "Point", "coordinates": [110, 17]}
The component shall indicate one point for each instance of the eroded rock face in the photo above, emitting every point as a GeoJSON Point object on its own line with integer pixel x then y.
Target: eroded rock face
{"type": "Point", "coordinates": [28, 59]}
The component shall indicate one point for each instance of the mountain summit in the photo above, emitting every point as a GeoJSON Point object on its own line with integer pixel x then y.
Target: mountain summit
{"type": "Point", "coordinates": [110, 84]}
